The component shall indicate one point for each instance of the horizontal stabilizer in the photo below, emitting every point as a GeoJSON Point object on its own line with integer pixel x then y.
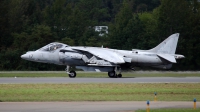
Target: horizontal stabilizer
{"type": "Point", "coordinates": [167, 57]}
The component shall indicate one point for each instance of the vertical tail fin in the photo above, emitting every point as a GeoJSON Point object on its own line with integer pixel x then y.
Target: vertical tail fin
{"type": "Point", "coordinates": [168, 46]}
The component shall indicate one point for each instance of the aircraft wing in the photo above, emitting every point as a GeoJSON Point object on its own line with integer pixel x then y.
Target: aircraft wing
{"type": "Point", "coordinates": [102, 53]}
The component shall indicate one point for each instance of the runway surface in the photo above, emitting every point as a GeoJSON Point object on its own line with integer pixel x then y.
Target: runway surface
{"type": "Point", "coordinates": [21, 80]}
{"type": "Point", "coordinates": [104, 106]}
{"type": "Point", "coordinates": [110, 106]}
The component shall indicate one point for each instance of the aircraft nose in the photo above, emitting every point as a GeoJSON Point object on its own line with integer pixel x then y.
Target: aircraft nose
{"type": "Point", "coordinates": [25, 56]}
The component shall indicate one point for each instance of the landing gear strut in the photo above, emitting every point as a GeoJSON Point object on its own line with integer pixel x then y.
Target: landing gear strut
{"type": "Point", "coordinates": [113, 74]}
{"type": "Point", "coordinates": [72, 73]}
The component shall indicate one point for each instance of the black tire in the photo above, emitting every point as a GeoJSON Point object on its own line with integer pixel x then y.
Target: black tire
{"type": "Point", "coordinates": [72, 74]}
{"type": "Point", "coordinates": [112, 74]}
{"type": "Point", "coordinates": [119, 75]}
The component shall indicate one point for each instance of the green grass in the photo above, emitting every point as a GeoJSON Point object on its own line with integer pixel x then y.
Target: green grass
{"type": "Point", "coordinates": [171, 110]}
{"type": "Point", "coordinates": [99, 92]}
{"type": "Point", "coordinates": [97, 74]}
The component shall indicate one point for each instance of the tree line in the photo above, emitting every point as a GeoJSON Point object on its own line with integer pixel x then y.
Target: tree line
{"type": "Point", "coordinates": [27, 25]}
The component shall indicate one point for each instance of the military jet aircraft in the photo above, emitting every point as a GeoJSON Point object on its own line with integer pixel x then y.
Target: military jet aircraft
{"type": "Point", "coordinates": [104, 59]}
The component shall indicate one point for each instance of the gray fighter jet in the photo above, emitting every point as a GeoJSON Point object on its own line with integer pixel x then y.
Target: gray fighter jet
{"type": "Point", "coordinates": [104, 59]}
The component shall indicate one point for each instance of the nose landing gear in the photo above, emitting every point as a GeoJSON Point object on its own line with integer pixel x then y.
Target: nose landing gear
{"type": "Point", "coordinates": [72, 73]}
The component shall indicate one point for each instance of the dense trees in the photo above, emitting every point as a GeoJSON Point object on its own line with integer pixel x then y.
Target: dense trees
{"type": "Point", "coordinates": [181, 17]}
{"type": "Point", "coordinates": [29, 25]}
{"type": "Point", "coordinates": [126, 30]}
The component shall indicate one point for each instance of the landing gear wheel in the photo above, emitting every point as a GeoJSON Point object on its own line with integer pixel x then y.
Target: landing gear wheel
{"type": "Point", "coordinates": [72, 74]}
{"type": "Point", "coordinates": [112, 74]}
{"type": "Point", "coordinates": [119, 75]}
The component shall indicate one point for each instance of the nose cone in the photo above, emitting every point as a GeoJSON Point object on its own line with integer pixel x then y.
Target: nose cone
{"type": "Point", "coordinates": [25, 56]}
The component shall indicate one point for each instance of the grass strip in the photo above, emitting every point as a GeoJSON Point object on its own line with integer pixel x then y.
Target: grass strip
{"type": "Point", "coordinates": [96, 74]}
{"type": "Point", "coordinates": [171, 110]}
{"type": "Point", "coordinates": [99, 92]}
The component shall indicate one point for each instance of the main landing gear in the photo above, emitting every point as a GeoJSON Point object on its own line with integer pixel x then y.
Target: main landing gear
{"type": "Point", "coordinates": [113, 74]}
{"type": "Point", "coordinates": [72, 73]}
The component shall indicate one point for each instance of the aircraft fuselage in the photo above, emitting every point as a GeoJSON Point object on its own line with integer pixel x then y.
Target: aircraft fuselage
{"type": "Point", "coordinates": [105, 59]}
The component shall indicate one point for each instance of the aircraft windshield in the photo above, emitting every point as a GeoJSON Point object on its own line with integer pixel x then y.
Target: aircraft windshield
{"type": "Point", "coordinates": [51, 47]}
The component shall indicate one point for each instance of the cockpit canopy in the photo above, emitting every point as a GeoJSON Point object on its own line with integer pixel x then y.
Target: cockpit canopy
{"type": "Point", "coordinates": [52, 46]}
